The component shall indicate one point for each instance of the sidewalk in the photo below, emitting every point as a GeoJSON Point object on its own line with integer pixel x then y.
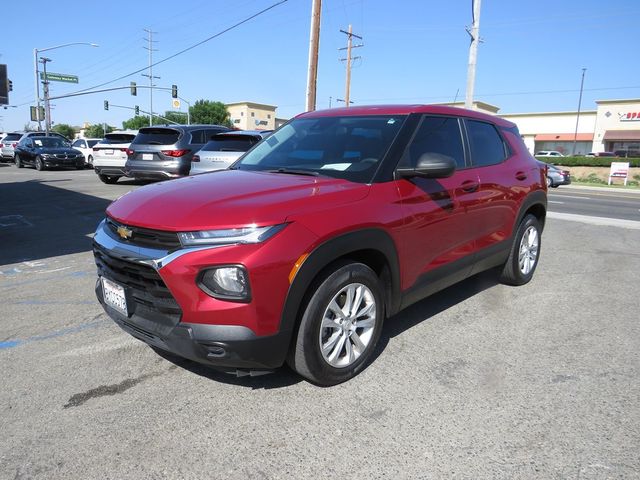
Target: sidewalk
{"type": "Point", "coordinates": [600, 189]}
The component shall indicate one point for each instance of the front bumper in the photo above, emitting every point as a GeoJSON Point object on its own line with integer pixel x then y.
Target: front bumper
{"type": "Point", "coordinates": [215, 333]}
{"type": "Point", "coordinates": [219, 346]}
{"type": "Point", "coordinates": [63, 162]}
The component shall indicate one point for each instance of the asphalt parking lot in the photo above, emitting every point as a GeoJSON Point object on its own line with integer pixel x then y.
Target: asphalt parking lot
{"type": "Point", "coordinates": [479, 381]}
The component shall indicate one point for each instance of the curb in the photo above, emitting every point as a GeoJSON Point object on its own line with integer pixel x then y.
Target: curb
{"type": "Point", "coordinates": [635, 191]}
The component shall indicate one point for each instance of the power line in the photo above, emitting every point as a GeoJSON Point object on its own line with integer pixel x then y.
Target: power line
{"type": "Point", "coordinates": [188, 48]}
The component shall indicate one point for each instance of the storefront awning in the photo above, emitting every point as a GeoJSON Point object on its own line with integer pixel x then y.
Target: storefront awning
{"type": "Point", "coordinates": [622, 135]}
{"type": "Point", "coordinates": [563, 137]}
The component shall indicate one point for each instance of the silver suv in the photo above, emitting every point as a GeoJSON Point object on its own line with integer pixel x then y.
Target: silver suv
{"type": "Point", "coordinates": [162, 152]}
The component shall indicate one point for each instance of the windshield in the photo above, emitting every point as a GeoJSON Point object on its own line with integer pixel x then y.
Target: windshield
{"type": "Point", "coordinates": [343, 147]}
{"type": "Point", "coordinates": [49, 142]}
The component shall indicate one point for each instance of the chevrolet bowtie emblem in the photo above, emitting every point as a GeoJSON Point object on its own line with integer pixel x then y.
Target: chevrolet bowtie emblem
{"type": "Point", "coordinates": [124, 232]}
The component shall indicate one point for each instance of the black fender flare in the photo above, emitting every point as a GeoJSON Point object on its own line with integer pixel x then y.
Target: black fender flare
{"type": "Point", "coordinates": [535, 198]}
{"type": "Point", "coordinates": [328, 252]}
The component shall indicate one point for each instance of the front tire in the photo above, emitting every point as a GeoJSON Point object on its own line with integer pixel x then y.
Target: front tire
{"type": "Point", "coordinates": [549, 182]}
{"type": "Point", "coordinates": [340, 326]}
{"type": "Point", "coordinates": [525, 252]}
{"type": "Point", "coordinates": [40, 164]}
{"type": "Point", "coordinates": [90, 161]}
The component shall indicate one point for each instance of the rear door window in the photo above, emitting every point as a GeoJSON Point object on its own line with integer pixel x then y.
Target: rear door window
{"type": "Point", "coordinates": [157, 136]}
{"type": "Point", "coordinates": [230, 143]}
{"type": "Point", "coordinates": [487, 146]}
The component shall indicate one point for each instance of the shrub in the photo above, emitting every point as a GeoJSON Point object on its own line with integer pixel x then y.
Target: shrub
{"type": "Point", "coordinates": [589, 161]}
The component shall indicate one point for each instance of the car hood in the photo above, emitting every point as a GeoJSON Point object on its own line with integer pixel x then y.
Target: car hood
{"type": "Point", "coordinates": [230, 199]}
{"type": "Point", "coordinates": [60, 150]}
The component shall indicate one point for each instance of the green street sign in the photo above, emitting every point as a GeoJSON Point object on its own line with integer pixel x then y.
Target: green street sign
{"type": "Point", "coordinates": [59, 77]}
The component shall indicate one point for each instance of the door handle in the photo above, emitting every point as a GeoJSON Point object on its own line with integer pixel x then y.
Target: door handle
{"type": "Point", "coordinates": [521, 176]}
{"type": "Point", "coordinates": [470, 186]}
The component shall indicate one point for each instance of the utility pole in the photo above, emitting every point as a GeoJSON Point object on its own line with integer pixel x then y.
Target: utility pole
{"type": "Point", "coordinates": [47, 106]}
{"type": "Point", "coordinates": [150, 74]}
{"type": "Point", "coordinates": [575, 135]}
{"type": "Point", "coordinates": [314, 42]}
{"type": "Point", "coordinates": [474, 33]}
{"type": "Point", "coordinates": [350, 36]}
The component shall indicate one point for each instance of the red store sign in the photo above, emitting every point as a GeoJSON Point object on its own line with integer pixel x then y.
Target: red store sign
{"type": "Point", "coordinates": [629, 117]}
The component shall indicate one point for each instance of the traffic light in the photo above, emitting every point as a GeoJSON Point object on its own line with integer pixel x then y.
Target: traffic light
{"type": "Point", "coordinates": [10, 86]}
{"type": "Point", "coordinates": [174, 91]}
{"type": "Point", "coordinates": [106, 105]}
{"type": "Point", "coordinates": [136, 110]}
{"type": "Point", "coordinates": [134, 89]}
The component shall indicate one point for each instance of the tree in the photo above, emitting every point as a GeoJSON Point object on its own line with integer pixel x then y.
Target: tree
{"type": "Point", "coordinates": [97, 131]}
{"type": "Point", "coordinates": [66, 130]}
{"type": "Point", "coordinates": [136, 123]}
{"type": "Point", "coordinates": [210, 113]}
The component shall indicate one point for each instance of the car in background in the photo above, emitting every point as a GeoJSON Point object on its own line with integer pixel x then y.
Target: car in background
{"type": "Point", "coordinates": [44, 152]}
{"type": "Point", "coordinates": [600, 154]}
{"type": "Point", "coordinates": [627, 153]}
{"type": "Point", "coordinates": [557, 176]}
{"type": "Point", "coordinates": [225, 148]}
{"type": "Point", "coordinates": [11, 140]}
{"type": "Point", "coordinates": [548, 153]}
{"type": "Point", "coordinates": [85, 145]}
{"type": "Point", "coordinates": [163, 152]}
{"type": "Point", "coordinates": [110, 155]}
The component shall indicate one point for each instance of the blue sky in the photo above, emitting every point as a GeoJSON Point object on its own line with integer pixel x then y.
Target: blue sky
{"type": "Point", "coordinates": [415, 51]}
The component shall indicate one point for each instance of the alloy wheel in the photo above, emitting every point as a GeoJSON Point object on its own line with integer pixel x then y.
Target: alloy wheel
{"type": "Point", "coordinates": [528, 252]}
{"type": "Point", "coordinates": [348, 325]}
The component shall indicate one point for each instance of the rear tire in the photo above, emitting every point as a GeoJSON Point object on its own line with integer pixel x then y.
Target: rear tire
{"type": "Point", "coordinates": [90, 161]}
{"type": "Point", "coordinates": [340, 326]}
{"type": "Point", "coordinates": [525, 252]}
{"type": "Point", "coordinates": [18, 161]}
{"type": "Point", "coordinates": [108, 179]}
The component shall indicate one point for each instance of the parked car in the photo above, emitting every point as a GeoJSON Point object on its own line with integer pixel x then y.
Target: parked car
{"type": "Point", "coordinates": [627, 153]}
{"type": "Point", "coordinates": [305, 246]}
{"type": "Point", "coordinates": [557, 176]}
{"type": "Point", "coordinates": [10, 142]}
{"type": "Point", "coordinates": [44, 152]}
{"type": "Point", "coordinates": [110, 155]}
{"type": "Point", "coordinates": [225, 148]}
{"type": "Point", "coordinates": [85, 145]}
{"type": "Point", "coordinates": [160, 153]}
{"type": "Point", "coordinates": [549, 153]}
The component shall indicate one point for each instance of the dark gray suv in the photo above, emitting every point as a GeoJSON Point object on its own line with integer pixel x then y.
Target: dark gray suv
{"type": "Point", "coordinates": [162, 152]}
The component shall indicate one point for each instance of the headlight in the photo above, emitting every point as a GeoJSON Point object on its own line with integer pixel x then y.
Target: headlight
{"type": "Point", "coordinates": [251, 234]}
{"type": "Point", "coordinates": [229, 282]}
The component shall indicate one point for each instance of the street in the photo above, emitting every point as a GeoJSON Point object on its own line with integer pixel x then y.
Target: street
{"type": "Point", "coordinates": [481, 380]}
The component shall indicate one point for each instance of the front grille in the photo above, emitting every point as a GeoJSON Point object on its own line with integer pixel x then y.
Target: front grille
{"type": "Point", "coordinates": [144, 237]}
{"type": "Point", "coordinates": [144, 286]}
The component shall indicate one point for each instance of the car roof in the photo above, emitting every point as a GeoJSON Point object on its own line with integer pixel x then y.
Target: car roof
{"type": "Point", "coordinates": [406, 110]}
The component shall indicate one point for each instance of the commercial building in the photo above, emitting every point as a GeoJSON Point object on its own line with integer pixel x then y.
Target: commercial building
{"type": "Point", "coordinates": [614, 126]}
{"type": "Point", "coordinates": [252, 116]}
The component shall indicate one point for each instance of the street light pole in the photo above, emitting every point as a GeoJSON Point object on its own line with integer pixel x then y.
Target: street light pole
{"type": "Point", "coordinates": [47, 106]}
{"type": "Point", "coordinates": [36, 72]}
{"type": "Point", "coordinates": [575, 135]}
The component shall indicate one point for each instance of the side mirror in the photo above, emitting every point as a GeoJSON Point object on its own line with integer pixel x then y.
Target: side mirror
{"type": "Point", "coordinates": [430, 165]}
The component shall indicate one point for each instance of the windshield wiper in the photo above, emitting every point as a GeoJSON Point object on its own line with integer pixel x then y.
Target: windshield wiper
{"type": "Point", "coordinates": [291, 171]}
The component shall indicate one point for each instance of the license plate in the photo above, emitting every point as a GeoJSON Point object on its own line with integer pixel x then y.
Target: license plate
{"type": "Point", "coordinates": [147, 156]}
{"type": "Point", "coordinates": [108, 151]}
{"type": "Point", "coordinates": [114, 296]}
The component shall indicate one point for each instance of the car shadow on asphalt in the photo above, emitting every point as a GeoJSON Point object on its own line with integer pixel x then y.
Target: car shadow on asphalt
{"type": "Point", "coordinates": [431, 306]}
{"type": "Point", "coordinates": [279, 378]}
{"type": "Point", "coordinates": [39, 220]}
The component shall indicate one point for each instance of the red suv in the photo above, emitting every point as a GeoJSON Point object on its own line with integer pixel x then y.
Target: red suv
{"type": "Point", "coordinates": [318, 234]}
